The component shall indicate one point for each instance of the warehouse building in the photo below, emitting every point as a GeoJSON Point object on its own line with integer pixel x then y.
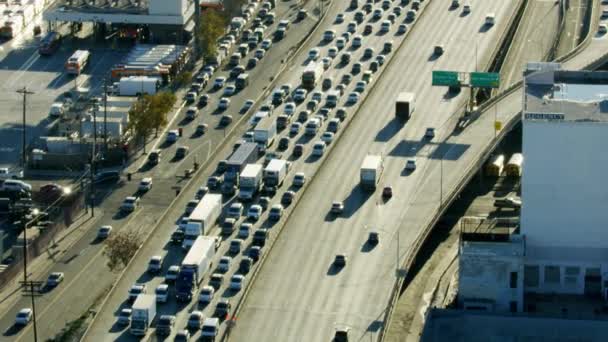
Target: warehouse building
{"type": "Point", "coordinates": [158, 20]}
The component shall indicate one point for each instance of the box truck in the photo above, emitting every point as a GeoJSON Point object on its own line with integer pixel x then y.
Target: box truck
{"type": "Point", "coordinates": [142, 314]}
{"type": "Point", "coordinates": [138, 85]}
{"type": "Point", "coordinates": [202, 218]}
{"type": "Point", "coordinates": [275, 173]}
{"type": "Point", "coordinates": [404, 106]}
{"type": "Point", "coordinates": [251, 181]}
{"type": "Point", "coordinates": [311, 75]}
{"type": "Point", "coordinates": [193, 268]}
{"type": "Point", "coordinates": [371, 170]}
{"type": "Point", "coordinates": [247, 153]}
{"type": "Point", "coordinates": [265, 132]}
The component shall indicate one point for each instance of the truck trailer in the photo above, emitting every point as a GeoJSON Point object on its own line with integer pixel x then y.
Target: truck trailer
{"type": "Point", "coordinates": [247, 153]}
{"type": "Point", "coordinates": [138, 85]}
{"type": "Point", "coordinates": [202, 218]}
{"type": "Point", "coordinates": [193, 268]}
{"type": "Point", "coordinates": [142, 314]}
{"type": "Point", "coordinates": [251, 181]}
{"type": "Point", "coordinates": [404, 106]}
{"type": "Point", "coordinates": [311, 75]}
{"type": "Point", "coordinates": [265, 132]}
{"type": "Point", "coordinates": [371, 171]}
{"type": "Point", "coordinates": [275, 173]}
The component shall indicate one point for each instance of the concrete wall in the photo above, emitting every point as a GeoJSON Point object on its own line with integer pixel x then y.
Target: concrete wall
{"type": "Point", "coordinates": [485, 277]}
{"type": "Point", "coordinates": [564, 188]}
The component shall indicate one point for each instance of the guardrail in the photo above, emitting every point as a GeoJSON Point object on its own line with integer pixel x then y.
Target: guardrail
{"type": "Point", "coordinates": [253, 276]}
{"type": "Point", "coordinates": [421, 238]}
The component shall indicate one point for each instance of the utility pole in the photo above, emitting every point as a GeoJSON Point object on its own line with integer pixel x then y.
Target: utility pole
{"type": "Point", "coordinates": [93, 161]}
{"type": "Point", "coordinates": [25, 93]}
{"type": "Point", "coordinates": [32, 289]}
{"type": "Point", "coordinates": [105, 115]}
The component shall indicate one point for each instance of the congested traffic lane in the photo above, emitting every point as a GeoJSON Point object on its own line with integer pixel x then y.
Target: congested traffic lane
{"type": "Point", "coordinates": [306, 302]}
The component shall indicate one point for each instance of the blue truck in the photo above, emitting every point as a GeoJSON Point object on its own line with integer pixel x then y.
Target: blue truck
{"type": "Point", "coordinates": [194, 266]}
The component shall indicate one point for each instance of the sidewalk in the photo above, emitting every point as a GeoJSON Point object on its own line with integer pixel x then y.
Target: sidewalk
{"type": "Point", "coordinates": [40, 266]}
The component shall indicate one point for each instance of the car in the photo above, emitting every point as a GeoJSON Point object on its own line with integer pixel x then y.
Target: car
{"type": "Point", "coordinates": [345, 58]}
{"type": "Point", "coordinates": [340, 260]}
{"type": "Point", "coordinates": [368, 53]}
{"type": "Point", "coordinates": [287, 198]}
{"type": "Point", "coordinates": [337, 207]}
{"type": "Point", "coordinates": [245, 229]}
{"type": "Point", "coordinates": [298, 150]}
{"type": "Point", "coordinates": [252, 63]}
{"type": "Point", "coordinates": [213, 182]}
{"type": "Point", "coordinates": [341, 114]}
{"type": "Point", "coordinates": [374, 66]}
{"type": "Point", "coordinates": [312, 105]}
{"type": "Point", "coordinates": [386, 4]}
{"type": "Point", "coordinates": [24, 316]}
{"type": "Point", "coordinates": [388, 47]}
{"type": "Point", "coordinates": [246, 106]}
{"type": "Point", "coordinates": [324, 112]}
{"type": "Point", "coordinates": [333, 125]}
{"type": "Point", "coordinates": [283, 143]}
{"type": "Point", "coordinates": [124, 317]}
{"type": "Point", "coordinates": [302, 14]}
{"type": "Point", "coordinates": [225, 120]}
{"type": "Point", "coordinates": [155, 264]}
{"type": "Point", "coordinates": [299, 179]}
{"type": "Point", "coordinates": [397, 10]}
{"type": "Point", "coordinates": [172, 273]}
{"type": "Point", "coordinates": [203, 100]}
{"type": "Point", "coordinates": [49, 193]}
{"type": "Point", "coordinates": [509, 202]}
{"type": "Point", "coordinates": [172, 135]}
{"type": "Point", "coordinates": [216, 281]}
{"type": "Point", "coordinates": [264, 202]}
{"type": "Point", "coordinates": [466, 9]}
{"type": "Point", "coordinates": [54, 279]}
{"type": "Point", "coordinates": [353, 98]}
{"type": "Point", "coordinates": [381, 59]}
{"type": "Point", "coordinates": [429, 133]}
{"type": "Point", "coordinates": [341, 334]}
{"type": "Point", "coordinates": [295, 128]}
{"type": "Point", "coordinates": [318, 148]}
{"type": "Point", "coordinates": [202, 191]}
{"type": "Point", "coordinates": [245, 265]}
{"type": "Point", "coordinates": [236, 282]}
{"type": "Point", "coordinates": [416, 5]}
{"type": "Point", "coordinates": [377, 14]}
{"type": "Point", "coordinates": [602, 29]}
{"type": "Point", "coordinates": [346, 79]}
{"type": "Point", "coordinates": [229, 90]}
{"type": "Point", "coordinates": [235, 210]}
{"type": "Point", "coordinates": [181, 152]}
{"type": "Point", "coordinates": [351, 27]}
{"type": "Point", "coordinates": [223, 104]}
{"type": "Point", "coordinates": [206, 294]}
{"type": "Point", "coordinates": [190, 206]}
{"type": "Point", "coordinates": [300, 95]}
{"type": "Point", "coordinates": [329, 35]}
{"type": "Point", "coordinates": [340, 43]}
{"type": "Point", "coordinates": [182, 336]}
{"type": "Point", "coordinates": [438, 50]}
{"type": "Point", "coordinates": [266, 44]}
{"type": "Point", "coordinates": [391, 18]}
{"type": "Point", "coordinates": [385, 26]}
{"type": "Point", "coordinates": [219, 82]}
{"type": "Point", "coordinates": [165, 325]}
{"type": "Point", "coordinates": [410, 165]}
{"type": "Point", "coordinates": [223, 264]}
{"type": "Point", "coordinates": [327, 137]}
{"type": "Point", "coordinates": [222, 309]}
{"type": "Point", "coordinates": [254, 212]}
{"type": "Point", "coordinates": [162, 293]}
{"type": "Point", "coordinates": [135, 291]}
{"type": "Point", "coordinates": [270, 155]}
{"type": "Point", "coordinates": [455, 3]}
{"type": "Point", "coordinates": [177, 237]}
{"type": "Point", "coordinates": [360, 87]}
{"type": "Point", "coordinates": [290, 108]}
{"type": "Point", "coordinates": [357, 41]}
{"type": "Point", "coordinates": [359, 17]}
{"type": "Point", "coordinates": [402, 29]}
{"type": "Point", "coordinates": [275, 212]}
{"type": "Point", "coordinates": [313, 54]}
{"type": "Point", "coordinates": [104, 232]}
{"type": "Point", "coordinates": [387, 192]}
{"type": "Point", "coordinates": [373, 238]}
{"type": "Point", "coordinates": [339, 18]}
{"type": "Point", "coordinates": [191, 96]}
{"type": "Point", "coordinates": [195, 320]}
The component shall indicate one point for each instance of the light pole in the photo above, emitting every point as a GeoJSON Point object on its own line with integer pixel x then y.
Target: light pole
{"type": "Point", "coordinates": [25, 93]}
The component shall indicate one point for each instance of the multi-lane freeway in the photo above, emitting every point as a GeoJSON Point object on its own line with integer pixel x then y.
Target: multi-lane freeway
{"type": "Point", "coordinates": [304, 303]}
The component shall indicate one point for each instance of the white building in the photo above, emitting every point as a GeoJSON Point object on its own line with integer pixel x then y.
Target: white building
{"type": "Point", "coordinates": [562, 244]}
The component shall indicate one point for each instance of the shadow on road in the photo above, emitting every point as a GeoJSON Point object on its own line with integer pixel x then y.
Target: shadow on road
{"type": "Point", "coordinates": [389, 130]}
{"type": "Point", "coordinates": [355, 200]}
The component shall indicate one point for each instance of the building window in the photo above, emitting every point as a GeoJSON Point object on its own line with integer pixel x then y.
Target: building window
{"type": "Point", "coordinates": [513, 306]}
{"type": "Point", "coordinates": [513, 281]}
{"type": "Point", "coordinates": [552, 275]}
{"type": "Point", "coordinates": [531, 276]}
{"type": "Point", "coordinates": [573, 271]}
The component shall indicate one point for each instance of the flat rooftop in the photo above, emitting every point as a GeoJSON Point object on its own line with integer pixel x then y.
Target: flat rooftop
{"type": "Point", "coordinates": [553, 94]}
{"type": "Point", "coordinates": [473, 326]}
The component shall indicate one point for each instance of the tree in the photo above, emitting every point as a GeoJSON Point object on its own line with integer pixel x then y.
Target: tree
{"type": "Point", "coordinates": [120, 248]}
{"type": "Point", "coordinates": [140, 124]}
{"type": "Point", "coordinates": [183, 78]}
{"type": "Point", "coordinates": [161, 105]}
{"type": "Point", "coordinates": [212, 27]}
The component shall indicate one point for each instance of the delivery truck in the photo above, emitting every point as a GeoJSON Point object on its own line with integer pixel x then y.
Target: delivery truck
{"type": "Point", "coordinates": [265, 132]}
{"type": "Point", "coordinates": [247, 153]}
{"type": "Point", "coordinates": [202, 218]}
{"type": "Point", "coordinates": [138, 85]}
{"type": "Point", "coordinates": [371, 171]}
{"type": "Point", "coordinates": [143, 312]}
{"type": "Point", "coordinates": [404, 106]}
{"type": "Point", "coordinates": [196, 263]}
{"type": "Point", "coordinates": [275, 173]}
{"type": "Point", "coordinates": [251, 181]}
{"type": "Point", "coordinates": [311, 75]}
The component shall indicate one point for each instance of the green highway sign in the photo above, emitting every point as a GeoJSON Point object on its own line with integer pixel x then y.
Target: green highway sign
{"type": "Point", "coordinates": [485, 79]}
{"type": "Point", "coordinates": [445, 78]}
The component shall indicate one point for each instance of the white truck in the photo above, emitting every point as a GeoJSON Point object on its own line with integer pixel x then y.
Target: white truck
{"type": "Point", "coordinates": [142, 314]}
{"type": "Point", "coordinates": [311, 75]}
{"type": "Point", "coordinates": [196, 263]}
{"type": "Point", "coordinates": [251, 181]}
{"type": "Point", "coordinates": [265, 132]}
{"type": "Point", "coordinates": [404, 106]}
{"type": "Point", "coordinates": [202, 218]}
{"type": "Point", "coordinates": [371, 170]}
{"type": "Point", "coordinates": [138, 85]}
{"type": "Point", "coordinates": [275, 173]}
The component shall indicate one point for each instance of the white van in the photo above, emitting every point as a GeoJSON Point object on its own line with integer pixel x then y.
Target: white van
{"type": "Point", "coordinates": [15, 185]}
{"type": "Point", "coordinates": [56, 109]}
{"type": "Point", "coordinates": [490, 19]}
{"type": "Point", "coordinates": [312, 126]}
